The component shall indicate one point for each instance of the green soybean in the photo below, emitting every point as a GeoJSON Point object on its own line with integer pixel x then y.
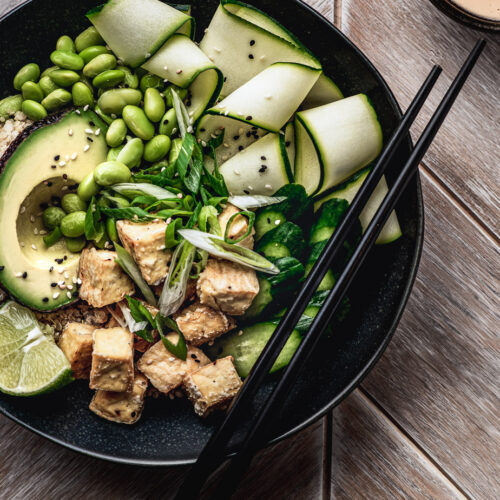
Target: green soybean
{"type": "Point", "coordinates": [28, 73]}
{"type": "Point", "coordinates": [65, 43]}
{"type": "Point", "coordinates": [108, 119]}
{"type": "Point", "coordinates": [154, 104]}
{"type": "Point", "coordinates": [168, 122]}
{"type": "Point", "coordinates": [157, 148]}
{"type": "Point", "coordinates": [76, 245]}
{"type": "Point", "coordinates": [131, 153]}
{"type": "Point", "coordinates": [108, 79]}
{"type": "Point", "coordinates": [175, 150]}
{"type": "Point", "coordinates": [111, 229]}
{"type": "Point", "coordinates": [131, 80]}
{"type": "Point", "coordinates": [151, 81]}
{"type": "Point", "coordinates": [67, 60]}
{"type": "Point", "coordinates": [114, 152]}
{"type": "Point", "coordinates": [71, 202]}
{"type": "Point", "coordinates": [116, 133]}
{"type": "Point", "coordinates": [103, 62]}
{"type": "Point", "coordinates": [53, 237]}
{"type": "Point", "coordinates": [52, 217]}
{"type": "Point", "coordinates": [64, 77]}
{"type": "Point", "coordinates": [73, 224]}
{"type": "Point", "coordinates": [138, 122]}
{"type": "Point", "coordinates": [34, 110]}
{"type": "Point", "coordinates": [47, 85]}
{"type": "Point", "coordinates": [111, 172]}
{"type": "Point", "coordinates": [10, 105]}
{"type": "Point", "coordinates": [88, 187]}
{"type": "Point", "coordinates": [32, 91]}
{"type": "Point", "coordinates": [87, 38]}
{"type": "Point", "coordinates": [48, 71]}
{"type": "Point", "coordinates": [113, 101]}
{"type": "Point", "coordinates": [56, 99]}
{"type": "Point", "coordinates": [93, 51]}
{"type": "Point", "coordinates": [82, 95]}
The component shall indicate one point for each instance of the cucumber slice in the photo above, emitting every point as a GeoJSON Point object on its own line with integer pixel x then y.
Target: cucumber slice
{"type": "Point", "coordinates": [290, 144]}
{"type": "Point", "coordinates": [286, 240]}
{"type": "Point", "coordinates": [347, 191]}
{"type": "Point", "coordinates": [344, 136]}
{"type": "Point", "coordinates": [136, 29]}
{"type": "Point", "coordinates": [324, 91]}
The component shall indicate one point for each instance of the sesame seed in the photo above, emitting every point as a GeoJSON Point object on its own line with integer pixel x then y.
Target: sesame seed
{"type": "Point", "coordinates": [74, 156]}
{"type": "Point", "coordinates": [77, 111]}
{"type": "Point", "coordinates": [226, 113]}
{"type": "Point", "coordinates": [64, 188]}
{"type": "Point", "coordinates": [25, 275]}
{"type": "Point", "coordinates": [74, 280]}
{"type": "Point", "coordinates": [249, 117]}
{"type": "Point", "coordinates": [204, 144]}
{"type": "Point", "coordinates": [86, 148]}
{"type": "Point", "coordinates": [2, 268]}
{"type": "Point", "coordinates": [250, 56]}
{"type": "Point", "coordinates": [42, 232]}
{"type": "Point", "coordinates": [179, 195]}
{"type": "Point", "coordinates": [66, 157]}
{"type": "Point", "coordinates": [86, 107]}
{"type": "Point", "coordinates": [56, 295]}
{"type": "Point", "coordinates": [169, 220]}
{"type": "Point", "coordinates": [35, 231]}
{"type": "Point", "coordinates": [190, 129]}
{"type": "Point", "coordinates": [98, 131]}
{"type": "Point", "coordinates": [174, 130]}
{"type": "Point", "coordinates": [66, 275]}
{"type": "Point", "coordinates": [236, 172]}
{"type": "Point", "coordinates": [70, 287]}
{"type": "Point", "coordinates": [268, 186]}
{"type": "Point", "coordinates": [68, 294]}
{"type": "Point", "coordinates": [45, 299]}
{"type": "Point", "coordinates": [57, 157]}
{"type": "Point", "coordinates": [179, 71]}
{"type": "Point", "coordinates": [23, 209]}
{"type": "Point", "coordinates": [240, 113]}
{"type": "Point", "coordinates": [78, 281]}
{"type": "Point", "coordinates": [32, 218]}
{"type": "Point", "coordinates": [19, 275]}
{"type": "Point", "coordinates": [224, 158]}
{"type": "Point", "coordinates": [62, 164]}
{"type": "Point", "coordinates": [148, 54]}
{"type": "Point", "coordinates": [277, 222]}
{"type": "Point", "coordinates": [89, 131]}
{"type": "Point", "coordinates": [62, 285]}
{"type": "Point", "coordinates": [262, 58]}
{"type": "Point", "coordinates": [165, 68]}
{"type": "Point", "coordinates": [250, 188]}
{"type": "Point", "coordinates": [70, 132]}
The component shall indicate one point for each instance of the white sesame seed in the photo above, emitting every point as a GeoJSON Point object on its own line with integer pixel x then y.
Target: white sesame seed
{"type": "Point", "coordinates": [60, 270]}
{"type": "Point", "coordinates": [217, 49]}
{"type": "Point", "coordinates": [89, 131]}
{"type": "Point", "coordinates": [262, 58]}
{"type": "Point", "coordinates": [163, 169]}
{"type": "Point", "coordinates": [171, 359]}
{"type": "Point", "coordinates": [62, 285]}
{"type": "Point", "coordinates": [35, 231]}
{"type": "Point", "coordinates": [68, 294]}
{"type": "Point", "coordinates": [226, 145]}
{"type": "Point", "coordinates": [66, 275]}
{"type": "Point", "coordinates": [268, 186]}
{"type": "Point", "coordinates": [282, 132]}
{"type": "Point", "coordinates": [74, 280]}
{"type": "Point", "coordinates": [179, 71]}
{"type": "Point", "coordinates": [23, 209]}
{"type": "Point", "coordinates": [86, 148]}
{"type": "Point", "coordinates": [113, 115]}
{"type": "Point", "coordinates": [98, 131]}
{"type": "Point", "coordinates": [236, 172]}
{"type": "Point", "coordinates": [66, 157]}
{"type": "Point", "coordinates": [191, 113]}
{"type": "Point", "coordinates": [174, 130]}
{"type": "Point", "coordinates": [224, 158]}
{"type": "Point", "coordinates": [42, 232]}
{"type": "Point", "coordinates": [32, 218]}
{"type": "Point", "coordinates": [74, 156]}
{"type": "Point", "coordinates": [268, 96]}
{"type": "Point", "coordinates": [190, 129]}
{"type": "Point", "coordinates": [213, 136]}
{"type": "Point", "coordinates": [78, 281]}
{"type": "Point", "coordinates": [179, 195]}
{"type": "Point", "coordinates": [240, 113]}
{"type": "Point", "coordinates": [165, 68]}
{"type": "Point", "coordinates": [136, 217]}
{"type": "Point", "coordinates": [148, 54]}
{"type": "Point", "coordinates": [64, 188]}
{"type": "Point", "coordinates": [77, 111]}
{"type": "Point", "coordinates": [169, 220]}
{"type": "Point", "coordinates": [70, 132]}
{"type": "Point", "coordinates": [70, 287]}
{"type": "Point", "coordinates": [86, 107]}
{"type": "Point", "coordinates": [206, 30]}
{"type": "Point", "coordinates": [250, 188]}
{"type": "Point", "coordinates": [277, 222]}
{"type": "Point", "coordinates": [56, 295]}
{"type": "Point", "coordinates": [19, 275]}
{"type": "Point", "coordinates": [62, 164]}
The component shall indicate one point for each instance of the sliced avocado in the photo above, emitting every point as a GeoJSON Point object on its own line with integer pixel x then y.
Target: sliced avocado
{"type": "Point", "coordinates": [32, 175]}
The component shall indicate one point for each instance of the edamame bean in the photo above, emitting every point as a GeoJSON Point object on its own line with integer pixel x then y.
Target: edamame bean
{"type": "Point", "coordinates": [88, 187]}
{"type": "Point", "coordinates": [168, 93]}
{"type": "Point", "coordinates": [88, 38]}
{"type": "Point", "coordinates": [52, 217]}
{"type": "Point", "coordinates": [108, 119]}
{"type": "Point", "coordinates": [116, 133]}
{"type": "Point", "coordinates": [151, 81]}
{"type": "Point", "coordinates": [76, 245]}
{"type": "Point", "coordinates": [113, 101]}
{"type": "Point", "coordinates": [64, 77]}
{"type": "Point", "coordinates": [48, 71]}
{"type": "Point", "coordinates": [131, 80]}
{"type": "Point", "coordinates": [71, 202]}
{"type": "Point", "coordinates": [82, 95]}
{"type": "Point", "coordinates": [157, 148]}
{"type": "Point", "coordinates": [114, 152]}
{"type": "Point", "coordinates": [175, 150]}
{"type": "Point", "coordinates": [32, 91]}
{"type": "Point", "coordinates": [28, 73]}
{"type": "Point", "coordinates": [168, 122]}
{"type": "Point", "coordinates": [10, 105]}
{"type": "Point", "coordinates": [73, 224]}
{"type": "Point", "coordinates": [67, 60]}
{"type": "Point", "coordinates": [108, 79]}
{"type": "Point", "coordinates": [56, 99]}
{"type": "Point", "coordinates": [93, 51]}
{"type": "Point", "coordinates": [47, 85]}
{"type": "Point", "coordinates": [138, 122]}
{"type": "Point", "coordinates": [103, 62]}
{"type": "Point", "coordinates": [65, 43]}
{"type": "Point", "coordinates": [131, 153]}
{"type": "Point", "coordinates": [111, 229]}
{"type": "Point", "coordinates": [154, 105]}
{"type": "Point", "coordinates": [34, 110]}
{"type": "Point", "coordinates": [111, 172]}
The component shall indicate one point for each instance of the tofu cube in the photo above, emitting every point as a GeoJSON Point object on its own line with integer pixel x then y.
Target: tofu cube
{"type": "Point", "coordinates": [121, 407]}
{"type": "Point", "coordinates": [200, 323]}
{"type": "Point", "coordinates": [146, 243]}
{"type": "Point", "coordinates": [76, 343]}
{"type": "Point", "coordinates": [164, 370]}
{"type": "Point", "coordinates": [103, 281]}
{"type": "Point", "coordinates": [112, 360]}
{"type": "Point", "coordinates": [239, 226]}
{"type": "Point", "coordinates": [213, 386]}
{"type": "Point", "coordinates": [227, 286]}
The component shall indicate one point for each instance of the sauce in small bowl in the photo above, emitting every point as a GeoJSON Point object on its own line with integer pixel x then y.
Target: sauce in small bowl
{"type": "Point", "coordinates": [481, 14]}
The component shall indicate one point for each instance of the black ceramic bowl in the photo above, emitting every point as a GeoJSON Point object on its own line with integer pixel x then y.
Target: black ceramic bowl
{"type": "Point", "coordinates": [169, 432]}
{"type": "Point", "coordinates": [460, 14]}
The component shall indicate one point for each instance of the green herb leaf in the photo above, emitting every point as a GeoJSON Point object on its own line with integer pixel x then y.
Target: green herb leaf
{"type": "Point", "coordinates": [194, 218]}
{"type": "Point", "coordinates": [163, 324]}
{"type": "Point", "coordinates": [171, 240]}
{"type": "Point", "coordinates": [208, 221]}
{"type": "Point", "coordinates": [94, 226]}
{"type": "Point", "coordinates": [130, 213]}
{"type": "Point", "coordinates": [139, 311]}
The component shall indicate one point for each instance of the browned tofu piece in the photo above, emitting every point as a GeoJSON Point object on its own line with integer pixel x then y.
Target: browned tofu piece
{"type": "Point", "coordinates": [164, 370]}
{"type": "Point", "coordinates": [146, 243]}
{"type": "Point", "coordinates": [112, 360]}
{"type": "Point", "coordinates": [121, 407]}
{"type": "Point", "coordinates": [103, 281]}
{"type": "Point", "coordinates": [213, 386]}
{"type": "Point", "coordinates": [200, 323]}
{"type": "Point", "coordinates": [239, 226]}
{"type": "Point", "coordinates": [76, 343]}
{"type": "Point", "coordinates": [227, 286]}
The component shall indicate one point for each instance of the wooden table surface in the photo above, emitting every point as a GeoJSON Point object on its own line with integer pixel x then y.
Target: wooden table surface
{"type": "Point", "coordinates": [425, 422]}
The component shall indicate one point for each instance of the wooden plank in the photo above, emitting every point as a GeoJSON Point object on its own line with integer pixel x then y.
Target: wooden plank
{"type": "Point", "coordinates": [439, 377]}
{"type": "Point", "coordinates": [403, 40]}
{"type": "Point", "coordinates": [372, 459]}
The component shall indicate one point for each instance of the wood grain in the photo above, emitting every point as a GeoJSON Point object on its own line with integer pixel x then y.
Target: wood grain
{"type": "Point", "coordinates": [403, 39]}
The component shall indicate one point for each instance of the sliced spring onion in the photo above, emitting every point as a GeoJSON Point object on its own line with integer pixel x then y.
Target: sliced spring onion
{"type": "Point", "coordinates": [127, 263]}
{"type": "Point", "coordinates": [182, 115]}
{"type": "Point", "coordinates": [248, 232]}
{"type": "Point", "coordinates": [132, 325]}
{"type": "Point", "coordinates": [208, 221]}
{"type": "Point", "coordinates": [219, 248]}
{"type": "Point", "coordinates": [118, 319]}
{"type": "Point", "coordinates": [132, 190]}
{"type": "Point", "coordinates": [257, 201]}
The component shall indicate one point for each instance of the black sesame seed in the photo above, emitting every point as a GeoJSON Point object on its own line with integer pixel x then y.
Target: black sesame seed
{"type": "Point", "coordinates": [2, 268]}
{"type": "Point", "coordinates": [57, 157]}
{"type": "Point", "coordinates": [263, 158]}
{"type": "Point", "coordinates": [263, 168]}
{"type": "Point", "coordinates": [73, 187]}
{"type": "Point", "coordinates": [249, 134]}
{"type": "Point", "coordinates": [197, 361]}
{"type": "Point", "coordinates": [53, 166]}
{"type": "Point", "coordinates": [165, 122]}
{"type": "Point", "coordinates": [203, 129]}
{"type": "Point", "coordinates": [51, 269]}
{"type": "Point", "coordinates": [65, 257]}
{"type": "Point", "coordinates": [249, 117]}
{"type": "Point", "coordinates": [287, 143]}
{"type": "Point", "coordinates": [65, 176]}
{"type": "Point", "coordinates": [246, 192]}
{"type": "Point", "coordinates": [240, 148]}
{"type": "Point", "coordinates": [193, 356]}
{"type": "Point", "coordinates": [45, 299]}
{"type": "Point", "coordinates": [55, 200]}
{"type": "Point", "coordinates": [53, 285]}
{"type": "Point", "coordinates": [90, 139]}
{"type": "Point", "coordinates": [252, 43]}
{"type": "Point", "coordinates": [49, 184]}
{"type": "Point", "coordinates": [91, 123]}
{"type": "Point", "coordinates": [188, 104]}
{"type": "Point", "coordinates": [250, 56]}
{"type": "Point", "coordinates": [254, 128]}
{"type": "Point", "coordinates": [225, 78]}
{"type": "Point", "coordinates": [25, 275]}
{"type": "Point", "coordinates": [59, 261]}
{"type": "Point", "coordinates": [236, 137]}
{"type": "Point", "coordinates": [268, 220]}
{"type": "Point", "coordinates": [44, 205]}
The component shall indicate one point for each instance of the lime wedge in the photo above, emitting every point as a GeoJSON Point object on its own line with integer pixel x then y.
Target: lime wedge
{"type": "Point", "coordinates": [30, 361]}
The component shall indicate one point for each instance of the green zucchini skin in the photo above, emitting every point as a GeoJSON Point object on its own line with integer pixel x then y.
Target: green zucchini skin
{"type": "Point", "coordinates": [286, 240]}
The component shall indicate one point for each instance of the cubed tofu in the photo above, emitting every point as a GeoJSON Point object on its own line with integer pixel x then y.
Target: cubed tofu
{"type": "Point", "coordinates": [121, 407]}
{"type": "Point", "coordinates": [112, 360]}
{"type": "Point", "coordinates": [212, 386]}
{"type": "Point", "coordinates": [146, 243]}
{"type": "Point", "coordinates": [200, 323]}
{"type": "Point", "coordinates": [164, 370]}
{"type": "Point", "coordinates": [103, 281]}
{"type": "Point", "coordinates": [238, 227]}
{"type": "Point", "coordinates": [76, 343]}
{"type": "Point", "coordinates": [227, 286]}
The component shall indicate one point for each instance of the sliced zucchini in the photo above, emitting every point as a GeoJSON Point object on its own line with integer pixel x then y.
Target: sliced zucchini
{"type": "Point", "coordinates": [324, 91]}
{"type": "Point", "coordinates": [290, 144]}
{"type": "Point", "coordinates": [334, 141]}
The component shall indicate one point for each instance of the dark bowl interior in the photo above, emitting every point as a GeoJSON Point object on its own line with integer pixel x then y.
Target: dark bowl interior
{"type": "Point", "coordinates": [169, 432]}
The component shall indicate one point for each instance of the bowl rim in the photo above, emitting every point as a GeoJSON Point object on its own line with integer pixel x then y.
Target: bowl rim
{"type": "Point", "coordinates": [466, 17]}
{"type": "Point", "coordinates": [405, 294]}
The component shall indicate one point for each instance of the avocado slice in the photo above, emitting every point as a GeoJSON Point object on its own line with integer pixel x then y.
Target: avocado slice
{"type": "Point", "coordinates": [46, 161]}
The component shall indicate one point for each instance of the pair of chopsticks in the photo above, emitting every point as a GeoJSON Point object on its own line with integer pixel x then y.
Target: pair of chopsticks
{"type": "Point", "coordinates": [215, 450]}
